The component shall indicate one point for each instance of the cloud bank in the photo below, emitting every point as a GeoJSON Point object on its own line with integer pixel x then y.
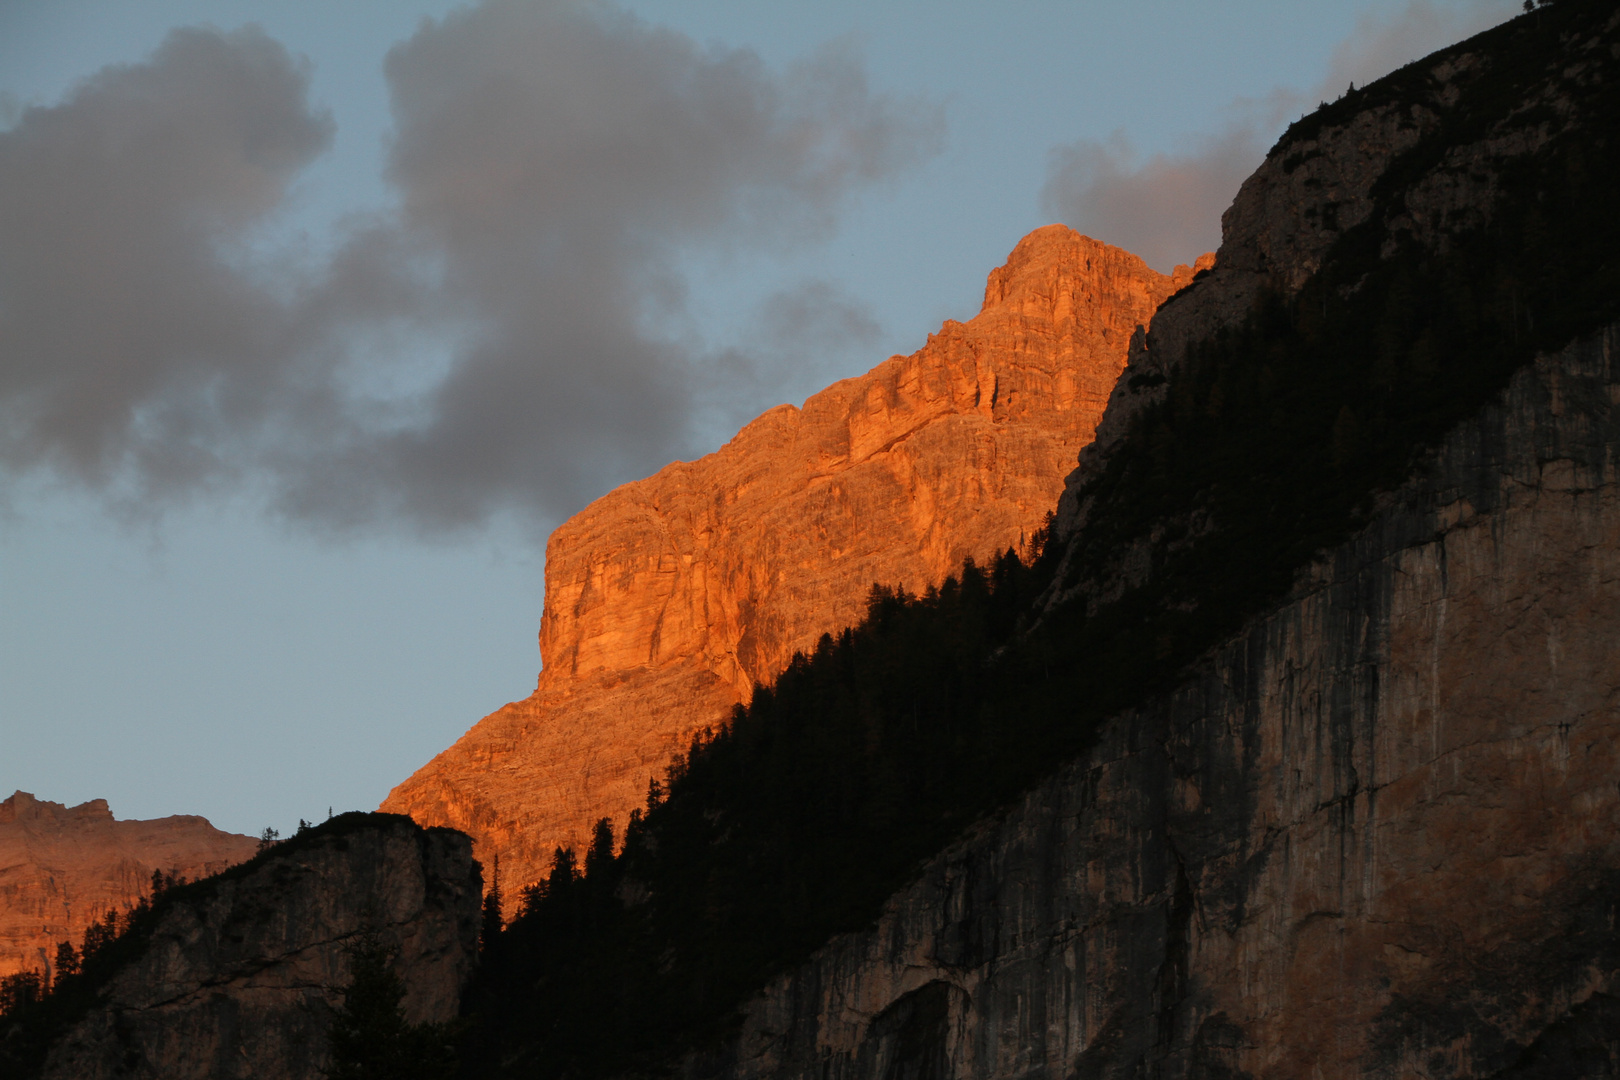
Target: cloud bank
{"type": "Point", "coordinates": [1167, 207]}
{"type": "Point", "coordinates": [554, 163]}
{"type": "Point", "coordinates": [132, 339]}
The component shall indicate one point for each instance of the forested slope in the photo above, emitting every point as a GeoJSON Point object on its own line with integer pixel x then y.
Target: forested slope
{"type": "Point", "coordinates": [1483, 233]}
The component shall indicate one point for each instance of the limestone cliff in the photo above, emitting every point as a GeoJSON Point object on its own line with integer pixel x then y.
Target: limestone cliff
{"type": "Point", "coordinates": [1373, 832]}
{"type": "Point", "coordinates": [62, 868]}
{"type": "Point", "coordinates": [1373, 835]}
{"type": "Point", "coordinates": [668, 599]}
{"type": "Point", "coordinates": [241, 973]}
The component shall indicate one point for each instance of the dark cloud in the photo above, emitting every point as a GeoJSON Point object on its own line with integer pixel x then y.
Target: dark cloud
{"type": "Point", "coordinates": [817, 312]}
{"type": "Point", "coordinates": [554, 162]}
{"type": "Point", "coordinates": [1167, 207]}
{"type": "Point", "coordinates": [133, 342]}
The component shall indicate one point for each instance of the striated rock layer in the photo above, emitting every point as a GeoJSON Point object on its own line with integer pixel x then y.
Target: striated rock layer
{"type": "Point", "coordinates": [243, 973]}
{"type": "Point", "coordinates": [1373, 835]}
{"type": "Point", "coordinates": [668, 599]}
{"type": "Point", "coordinates": [62, 868]}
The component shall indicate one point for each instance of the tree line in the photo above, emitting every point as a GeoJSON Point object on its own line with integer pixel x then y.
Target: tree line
{"type": "Point", "coordinates": [807, 807]}
{"type": "Point", "coordinates": [25, 988]}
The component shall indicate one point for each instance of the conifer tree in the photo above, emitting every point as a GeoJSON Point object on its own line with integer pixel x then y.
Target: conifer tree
{"type": "Point", "coordinates": [489, 933]}
{"type": "Point", "coordinates": [370, 1039]}
{"type": "Point", "coordinates": [600, 854]}
{"type": "Point", "coordinates": [67, 960]}
{"type": "Point", "coordinates": [20, 990]}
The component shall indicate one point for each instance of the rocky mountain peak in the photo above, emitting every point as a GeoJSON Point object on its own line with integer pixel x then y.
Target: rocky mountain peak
{"type": "Point", "coordinates": [1049, 265]}
{"type": "Point", "coordinates": [22, 806]}
{"type": "Point", "coordinates": [669, 599]}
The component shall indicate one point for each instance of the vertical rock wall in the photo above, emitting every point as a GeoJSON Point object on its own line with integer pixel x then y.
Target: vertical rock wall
{"type": "Point", "coordinates": [1377, 834]}
{"type": "Point", "coordinates": [243, 973]}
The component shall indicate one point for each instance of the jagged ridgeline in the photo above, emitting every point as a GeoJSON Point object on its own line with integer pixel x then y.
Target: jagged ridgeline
{"type": "Point", "coordinates": [1266, 441]}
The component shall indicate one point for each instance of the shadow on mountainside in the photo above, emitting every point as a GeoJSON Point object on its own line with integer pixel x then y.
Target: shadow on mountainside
{"type": "Point", "coordinates": [822, 796]}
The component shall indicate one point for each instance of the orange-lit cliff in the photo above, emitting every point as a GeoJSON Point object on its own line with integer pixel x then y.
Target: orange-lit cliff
{"type": "Point", "coordinates": [668, 599]}
{"type": "Point", "coordinates": [62, 868]}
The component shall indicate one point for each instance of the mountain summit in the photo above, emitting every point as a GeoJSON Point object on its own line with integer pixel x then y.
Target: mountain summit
{"type": "Point", "coordinates": [669, 599]}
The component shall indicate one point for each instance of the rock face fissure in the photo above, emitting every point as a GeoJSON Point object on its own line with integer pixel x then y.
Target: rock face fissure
{"type": "Point", "coordinates": [668, 599]}
{"type": "Point", "coordinates": [62, 868]}
{"type": "Point", "coordinates": [243, 973]}
{"type": "Point", "coordinates": [1373, 835]}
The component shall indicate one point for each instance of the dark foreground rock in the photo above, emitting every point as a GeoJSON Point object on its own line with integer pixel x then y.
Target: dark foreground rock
{"type": "Point", "coordinates": [1376, 832]}
{"type": "Point", "coordinates": [1375, 835]}
{"type": "Point", "coordinates": [242, 973]}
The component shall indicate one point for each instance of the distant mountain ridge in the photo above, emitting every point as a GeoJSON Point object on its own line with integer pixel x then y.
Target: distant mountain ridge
{"type": "Point", "coordinates": [669, 599]}
{"type": "Point", "coordinates": [62, 868]}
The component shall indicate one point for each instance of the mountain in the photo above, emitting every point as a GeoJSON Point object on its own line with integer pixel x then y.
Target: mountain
{"type": "Point", "coordinates": [1373, 834]}
{"type": "Point", "coordinates": [241, 974]}
{"type": "Point", "coordinates": [1371, 831]}
{"type": "Point", "coordinates": [63, 868]}
{"type": "Point", "coordinates": [669, 599]}
{"type": "Point", "coordinates": [1293, 753]}
{"type": "Point", "coordinates": [1292, 750]}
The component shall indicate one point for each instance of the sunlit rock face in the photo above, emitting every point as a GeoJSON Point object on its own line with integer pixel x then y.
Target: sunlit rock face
{"type": "Point", "coordinates": [62, 868]}
{"type": "Point", "coordinates": [668, 599]}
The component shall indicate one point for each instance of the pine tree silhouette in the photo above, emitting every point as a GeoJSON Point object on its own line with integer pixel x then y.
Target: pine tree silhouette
{"type": "Point", "coordinates": [370, 1039]}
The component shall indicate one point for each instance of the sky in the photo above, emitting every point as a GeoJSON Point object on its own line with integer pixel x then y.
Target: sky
{"type": "Point", "coordinates": [316, 318]}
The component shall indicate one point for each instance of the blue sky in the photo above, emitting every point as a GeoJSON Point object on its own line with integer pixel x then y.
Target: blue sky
{"type": "Point", "coordinates": [315, 330]}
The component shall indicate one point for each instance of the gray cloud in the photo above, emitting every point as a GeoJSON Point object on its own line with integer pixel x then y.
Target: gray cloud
{"type": "Point", "coordinates": [132, 340]}
{"type": "Point", "coordinates": [798, 340]}
{"type": "Point", "coordinates": [554, 164]}
{"type": "Point", "coordinates": [1167, 207]}
{"type": "Point", "coordinates": [816, 314]}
